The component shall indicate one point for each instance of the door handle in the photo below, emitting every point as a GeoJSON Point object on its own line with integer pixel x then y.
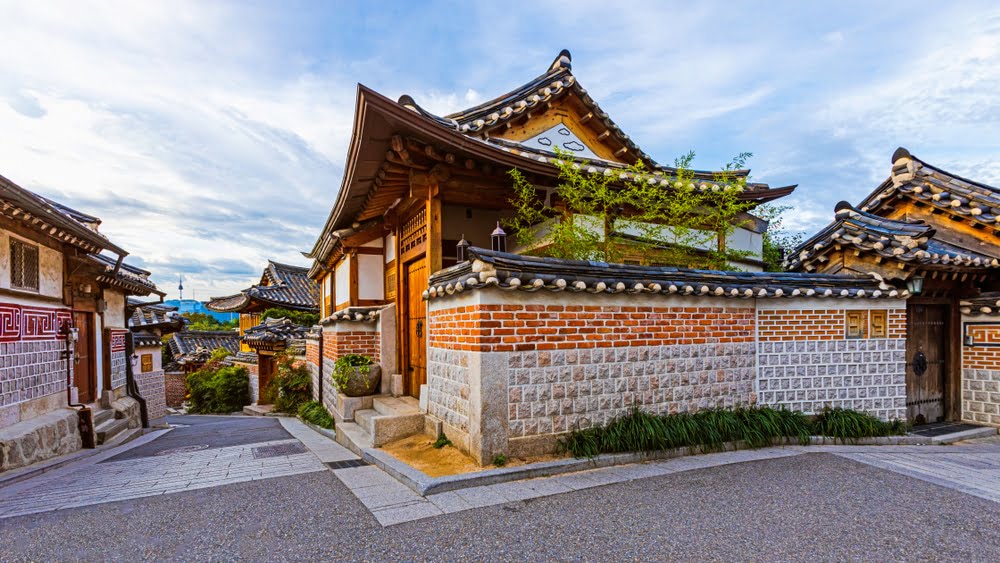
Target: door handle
{"type": "Point", "coordinates": [420, 329]}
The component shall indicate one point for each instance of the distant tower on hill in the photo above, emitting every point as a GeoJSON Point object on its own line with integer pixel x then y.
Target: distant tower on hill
{"type": "Point", "coordinates": [180, 286]}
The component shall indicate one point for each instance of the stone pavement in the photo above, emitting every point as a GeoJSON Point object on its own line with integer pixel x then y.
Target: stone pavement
{"type": "Point", "coordinates": [106, 478]}
{"type": "Point", "coordinates": [974, 473]}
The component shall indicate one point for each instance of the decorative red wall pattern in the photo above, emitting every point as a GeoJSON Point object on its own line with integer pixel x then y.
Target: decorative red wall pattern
{"type": "Point", "coordinates": [19, 323]}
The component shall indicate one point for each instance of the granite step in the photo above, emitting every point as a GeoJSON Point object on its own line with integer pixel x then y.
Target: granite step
{"type": "Point", "coordinates": [102, 416]}
{"type": "Point", "coordinates": [364, 419]}
{"type": "Point", "coordinates": [396, 406]}
{"type": "Point", "coordinates": [110, 428]}
{"type": "Point", "coordinates": [353, 437]}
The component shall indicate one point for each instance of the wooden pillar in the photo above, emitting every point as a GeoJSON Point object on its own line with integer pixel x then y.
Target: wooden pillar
{"type": "Point", "coordinates": [433, 228]}
{"type": "Point", "coordinates": [354, 277]}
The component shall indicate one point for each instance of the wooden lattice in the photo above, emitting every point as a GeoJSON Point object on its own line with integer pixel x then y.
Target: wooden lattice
{"type": "Point", "coordinates": [23, 265]}
{"type": "Point", "coordinates": [414, 232]}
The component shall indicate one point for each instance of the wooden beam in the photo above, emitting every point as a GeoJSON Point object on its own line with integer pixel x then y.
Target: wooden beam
{"type": "Point", "coordinates": [433, 230]}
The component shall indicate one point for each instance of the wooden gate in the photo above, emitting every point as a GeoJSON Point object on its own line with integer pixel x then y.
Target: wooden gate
{"type": "Point", "coordinates": [415, 280]}
{"type": "Point", "coordinates": [84, 376]}
{"type": "Point", "coordinates": [926, 362]}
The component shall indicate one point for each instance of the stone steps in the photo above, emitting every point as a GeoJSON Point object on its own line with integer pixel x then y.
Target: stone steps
{"type": "Point", "coordinates": [353, 437]}
{"type": "Point", "coordinates": [388, 420]}
{"type": "Point", "coordinates": [109, 429]}
{"type": "Point", "coordinates": [102, 416]}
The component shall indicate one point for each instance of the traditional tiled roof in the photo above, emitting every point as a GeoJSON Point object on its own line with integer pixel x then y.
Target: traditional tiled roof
{"type": "Point", "coordinates": [902, 241]}
{"type": "Point", "coordinates": [187, 343]}
{"type": "Point", "coordinates": [355, 314]}
{"type": "Point", "coordinates": [129, 278]}
{"type": "Point", "coordinates": [273, 334]}
{"type": "Point", "coordinates": [389, 137]}
{"type": "Point", "coordinates": [146, 338]}
{"type": "Point", "coordinates": [243, 357]}
{"type": "Point", "coordinates": [915, 179]}
{"type": "Point", "coordinates": [281, 285]}
{"type": "Point", "coordinates": [150, 316]}
{"type": "Point", "coordinates": [984, 304]}
{"type": "Point", "coordinates": [53, 219]}
{"type": "Point", "coordinates": [487, 268]}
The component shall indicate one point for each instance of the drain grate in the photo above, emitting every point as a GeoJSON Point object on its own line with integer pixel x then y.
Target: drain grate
{"type": "Point", "coordinates": [346, 464]}
{"type": "Point", "coordinates": [183, 449]}
{"type": "Point", "coordinates": [278, 450]}
{"type": "Point", "coordinates": [941, 429]}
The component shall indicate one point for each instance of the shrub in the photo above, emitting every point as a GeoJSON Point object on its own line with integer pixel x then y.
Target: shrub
{"type": "Point", "coordinates": [315, 413]}
{"type": "Point", "coordinates": [441, 442]}
{"type": "Point", "coordinates": [499, 460]}
{"type": "Point", "coordinates": [291, 386]}
{"type": "Point", "coordinates": [344, 367]}
{"type": "Point", "coordinates": [848, 425]}
{"type": "Point", "coordinates": [216, 388]}
{"type": "Point", "coordinates": [298, 317]}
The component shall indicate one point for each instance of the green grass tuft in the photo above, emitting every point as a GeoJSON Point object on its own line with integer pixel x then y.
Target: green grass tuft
{"type": "Point", "coordinates": [315, 413]}
{"type": "Point", "coordinates": [712, 429]}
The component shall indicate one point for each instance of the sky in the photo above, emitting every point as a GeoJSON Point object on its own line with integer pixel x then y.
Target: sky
{"type": "Point", "coordinates": [210, 136]}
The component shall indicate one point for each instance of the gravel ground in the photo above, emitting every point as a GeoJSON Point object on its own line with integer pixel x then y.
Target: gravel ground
{"type": "Point", "coordinates": [814, 506]}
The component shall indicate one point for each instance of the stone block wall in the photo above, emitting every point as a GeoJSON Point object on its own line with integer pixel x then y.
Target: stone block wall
{"type": "Point", "coordinates": [176, 388]}
{"type": "Point", "coordinates": [806, 362]}
{"type": "Point", "coordinates": [152, 388]}
{"type": "Point", "coordinates": [981, 372]}
{"type": "Point", "coordinates": [29, 370]}
{"type": "Point", "coordinates": [513, 371]}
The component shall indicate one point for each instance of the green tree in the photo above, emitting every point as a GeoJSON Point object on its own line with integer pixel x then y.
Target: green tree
{"type": "Point", "coordinates": [202, 321]}
{"type": "Point", "coordinates": [298, 317]}
{"type": "Point", "coordinates": [679, 219]}
{"type": "Point", "coordinates": [778, 242]}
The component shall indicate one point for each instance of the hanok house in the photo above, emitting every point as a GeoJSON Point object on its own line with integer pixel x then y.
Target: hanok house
{"type": "Point", "coordinates": [504, 353]}
{"type": "Point", "coordinates": [281, 286]}
{"type": "Point", "coordinates": [269, 339]}
{"type": "Point", "coordinates": [149, 323]}
{"type": "Point", "coordinates": [64, 363]}
{"type": "Point", "coordinates": [188, 350]}
{"type": "Point", "coordinates": [938, 234]}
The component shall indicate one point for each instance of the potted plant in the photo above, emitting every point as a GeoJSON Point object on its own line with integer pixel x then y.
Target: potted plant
{"type": "Point", "coordinates": [356, 375]}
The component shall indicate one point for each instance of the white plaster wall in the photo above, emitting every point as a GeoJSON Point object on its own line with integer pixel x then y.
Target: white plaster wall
{"type": "Point", "coordinates": [50, 264]}
{"type": "Point", "coordinates": [342, 281]}
{"type": "Point", "coordinates": [377, 243]}
{"type": "Point", "coordinates": [370, 273]}
{"type": "Point", "coordinates": [390, 248]}
{"type": "Point", "coordinates": [114, 315]}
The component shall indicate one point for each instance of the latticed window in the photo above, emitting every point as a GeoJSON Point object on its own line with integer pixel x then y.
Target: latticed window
{"type": "Point", "coordinates": [23, 265]}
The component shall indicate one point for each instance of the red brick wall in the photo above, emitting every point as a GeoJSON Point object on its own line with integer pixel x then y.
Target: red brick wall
{"type": "Point", "coordinates": [817, 324]}
{"type": "Point", "coordinates": [982, 357]}
{"type": "Point", "coordinates": [523, 328]}
{"type": "Point", "coordinates": [176, 389]}
{"type": "Point", "coordinates": [337, 344]}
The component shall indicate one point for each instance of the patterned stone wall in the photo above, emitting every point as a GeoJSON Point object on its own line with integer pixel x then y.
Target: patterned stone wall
{"type": "Point", "coordinates": [981, 373]}
{"type": "Point", "coordinates": [550, 392]}
{"type": "Point", "coordinates": [448, 386]}
{"type": "Point", "coordinates": [152, 387]}
{"type": "Point", "coordinates": [860, 374]}
{"type": "Point", "coordinates": [116, 356]}
{"type": "Point", "coordinates": [806, 362]}
{"type": "Point", "coordinates": [29, 370]}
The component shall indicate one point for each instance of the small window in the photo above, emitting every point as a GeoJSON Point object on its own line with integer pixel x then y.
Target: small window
{"type": "Point", "coordinates": [23, 265]}
{"type": "Point", "coordinates": [879, 324]}
{"type": "Point", "coordinates": [855, 328]}
{"type": "Point", "coordinates": [147, 363]}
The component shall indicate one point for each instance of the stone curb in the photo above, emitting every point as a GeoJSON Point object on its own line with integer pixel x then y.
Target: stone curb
{"type": "Point", "coordinates": [424, 485]}
{"type": "Point", "coordinates": [331, 434]}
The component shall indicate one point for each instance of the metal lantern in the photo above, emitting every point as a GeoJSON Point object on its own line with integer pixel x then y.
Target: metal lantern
{"type": "Point", "coordinates": [915, 285]}
{"type": "Point", "coordinates": [462, 249]}
{"type": "Point", "coordinates": [499, 238]}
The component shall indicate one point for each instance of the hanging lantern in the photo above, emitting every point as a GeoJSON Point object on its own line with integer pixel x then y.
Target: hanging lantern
{"type": "Point", "coordinates": [499, 239]}
{"type": "Point", "coordinates": [915, 285]}
{"type": "Point", "coordinates": [462, 249]}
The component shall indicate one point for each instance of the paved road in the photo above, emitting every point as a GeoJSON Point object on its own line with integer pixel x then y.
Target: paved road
{"type": "Point", "coordinates": [224, 502]}
{"type": "Point", "coordinates": [790, 508]}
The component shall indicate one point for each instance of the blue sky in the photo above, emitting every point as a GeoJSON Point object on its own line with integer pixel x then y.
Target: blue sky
{"type": "Point", "coordinates": [211, 136]}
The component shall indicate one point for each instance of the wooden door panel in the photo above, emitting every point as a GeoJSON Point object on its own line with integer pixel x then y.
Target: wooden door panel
{"type": "Point", "coordinates": [416, 329]}
{"type": "Point", "coordinates": [83, 366]}
{"type": "Point", "coordinates": [927, 362]}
